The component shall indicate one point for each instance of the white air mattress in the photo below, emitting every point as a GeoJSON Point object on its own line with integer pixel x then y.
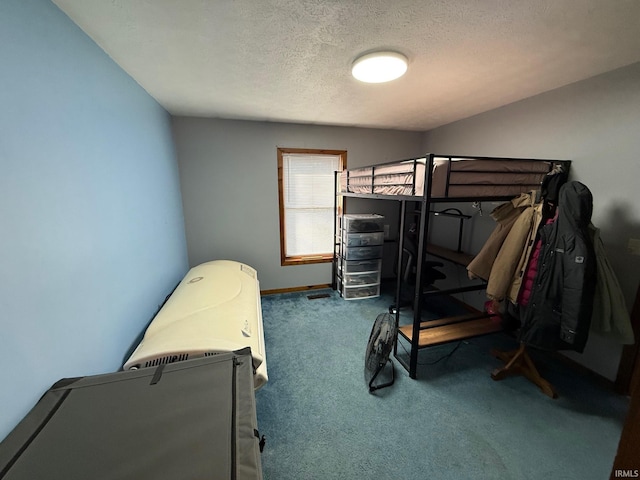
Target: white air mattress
{"type": "Point", "coordinates": [215, 308]}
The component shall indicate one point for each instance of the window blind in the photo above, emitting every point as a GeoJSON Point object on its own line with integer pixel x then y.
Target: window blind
{"type": "Point", "coordinates": [308, 203]}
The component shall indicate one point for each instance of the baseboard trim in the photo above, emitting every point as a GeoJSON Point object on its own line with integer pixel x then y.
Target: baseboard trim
{"type": "Point", "coordinates": [295, 289]}
{"type": "Point", "coordinates": [584, 370]}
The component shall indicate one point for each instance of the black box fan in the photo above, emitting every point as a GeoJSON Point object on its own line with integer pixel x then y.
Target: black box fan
{"type": "Point", "coordinates": [381, 341]}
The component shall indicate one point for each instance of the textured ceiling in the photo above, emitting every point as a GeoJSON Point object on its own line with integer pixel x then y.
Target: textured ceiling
{"type": "Point", "coordinates": [289, 60]}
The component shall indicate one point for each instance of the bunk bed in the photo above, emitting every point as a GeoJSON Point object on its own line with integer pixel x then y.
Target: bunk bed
{"type": "Point", "coordinates": [427, 181]}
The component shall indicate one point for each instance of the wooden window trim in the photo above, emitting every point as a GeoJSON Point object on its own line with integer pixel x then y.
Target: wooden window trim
{"type": "Point", "coordinates": [301, 259]}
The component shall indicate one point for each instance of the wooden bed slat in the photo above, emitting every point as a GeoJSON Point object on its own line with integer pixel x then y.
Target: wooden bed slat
{"type": "Point", "coordinates": [452, 332]}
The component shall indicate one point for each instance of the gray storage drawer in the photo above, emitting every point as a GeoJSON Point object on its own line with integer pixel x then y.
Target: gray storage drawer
{"type": "Point", "coordinates": [363, 239]}
{"type": "Point", "coordinates": [362, 222]}
{"type": "Point", "coordinates": [362, 253]}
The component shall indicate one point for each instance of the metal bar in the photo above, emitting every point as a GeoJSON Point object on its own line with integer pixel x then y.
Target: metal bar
{"type": "Point", "coordinates": [450, 291]}
{"type": "Point", "coordinates": [334, 268]}
{"type": "Point", "coordinates": [403, 212]}
{"type": "Point", "coordinates": [447, 213]}
{"type": "Point", "coordinates": [446, 186]}
{"type": "Point", "coordinates": [423, 228]}
{"type": "Point", "coordinates": [402, 362]}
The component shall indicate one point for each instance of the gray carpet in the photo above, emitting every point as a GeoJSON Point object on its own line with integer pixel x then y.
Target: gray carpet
{"type": "Point", "coordinates": [453, 422]}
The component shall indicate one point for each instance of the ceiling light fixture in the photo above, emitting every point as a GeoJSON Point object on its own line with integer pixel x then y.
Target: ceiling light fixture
{"type": "Point", "coordinates": [379, 67]}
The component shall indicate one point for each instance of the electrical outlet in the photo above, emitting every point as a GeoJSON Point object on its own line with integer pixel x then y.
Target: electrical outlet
{"type": "Point", "coordinates": [633, 246]}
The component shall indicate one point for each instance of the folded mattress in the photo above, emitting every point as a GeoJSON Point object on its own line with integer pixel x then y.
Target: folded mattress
{"type": "Point", "coordinates": [215, 308]}
{"type": "Point", "coordinates": [191, 420]}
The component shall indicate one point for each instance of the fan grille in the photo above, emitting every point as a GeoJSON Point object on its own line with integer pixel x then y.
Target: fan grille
{"type": "Point", "coordinates": [381, 341]}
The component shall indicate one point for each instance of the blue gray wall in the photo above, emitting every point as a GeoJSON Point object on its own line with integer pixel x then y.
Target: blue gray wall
{"type": "Point", "coordinates": [91, 222]}
{"type": "Point", "coordinates": [229, 176]}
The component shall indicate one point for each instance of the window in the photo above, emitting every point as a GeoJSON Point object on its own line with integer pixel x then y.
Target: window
{"type": "Point", "coordinates": [307, 197]}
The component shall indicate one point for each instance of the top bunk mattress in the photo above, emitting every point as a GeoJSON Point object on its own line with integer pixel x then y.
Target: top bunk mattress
{"type": "Point", "coordinates": [450, 178]}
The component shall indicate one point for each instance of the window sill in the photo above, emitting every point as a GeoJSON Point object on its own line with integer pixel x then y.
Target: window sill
{"type": "Point", "coordinates": [306, 260]}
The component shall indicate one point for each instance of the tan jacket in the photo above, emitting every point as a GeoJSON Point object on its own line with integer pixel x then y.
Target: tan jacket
{"type": "Point", "coordinates": [511, 260]}
{"type": "Point", "coordinates": [505, 215]}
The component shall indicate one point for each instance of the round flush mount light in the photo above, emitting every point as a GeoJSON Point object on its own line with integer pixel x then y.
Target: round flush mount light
{"type": "Point", "coordinates": [379, 67]}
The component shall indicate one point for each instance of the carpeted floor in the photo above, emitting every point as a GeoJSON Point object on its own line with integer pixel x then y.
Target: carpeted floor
{"type": "Point", "coordinates": [453, 422]}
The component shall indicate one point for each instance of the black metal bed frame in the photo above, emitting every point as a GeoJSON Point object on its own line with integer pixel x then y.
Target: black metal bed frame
{"type": "Point", "coordinates": [426, 201]}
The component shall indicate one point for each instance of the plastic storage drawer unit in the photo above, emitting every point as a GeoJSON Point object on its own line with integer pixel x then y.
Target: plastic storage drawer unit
{"type": "Point", "coordinates": [359, 242]}
{"type": "Point", "coordinates": [362, 223]}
